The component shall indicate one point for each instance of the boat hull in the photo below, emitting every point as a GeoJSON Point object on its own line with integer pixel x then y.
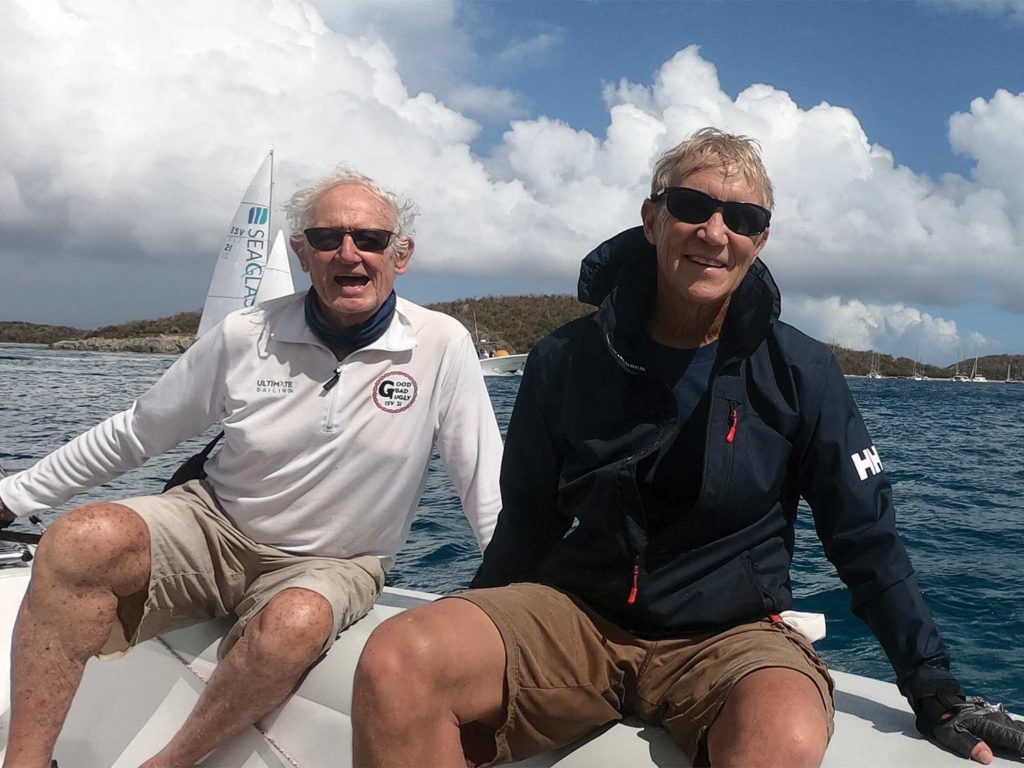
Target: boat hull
{"type": "Point", "coordinates": [502, 365]}
{"type": "Point", "coordinates": [125, 711]}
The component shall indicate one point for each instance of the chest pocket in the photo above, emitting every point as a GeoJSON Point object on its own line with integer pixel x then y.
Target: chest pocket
{"type": "Point", "coordinates": [760, 465]}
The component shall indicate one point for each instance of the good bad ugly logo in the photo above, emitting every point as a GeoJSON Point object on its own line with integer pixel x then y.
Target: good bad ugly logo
{"type": "Point", "coordinates": [394, 392]}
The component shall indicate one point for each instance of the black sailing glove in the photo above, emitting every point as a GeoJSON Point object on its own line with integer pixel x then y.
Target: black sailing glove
{"type": "Point", "coordinates": [960, 724]}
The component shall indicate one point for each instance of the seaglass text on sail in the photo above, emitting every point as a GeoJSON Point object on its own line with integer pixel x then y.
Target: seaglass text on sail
{"type": "Point", "coordinates": [255, 242]}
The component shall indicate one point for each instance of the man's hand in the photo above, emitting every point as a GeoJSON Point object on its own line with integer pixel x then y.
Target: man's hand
{"type": "Point", "coordinates": [973, 727]}
{"type": "Point", "coordinates": [6, 516]}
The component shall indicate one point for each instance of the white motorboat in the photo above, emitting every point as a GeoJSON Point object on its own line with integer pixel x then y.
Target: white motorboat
{"type": "Point", "coordinates": [126, 710]}
{"type": "Point", "coordinates": [502, 365]}
{"type": "Point", "coordinates": [496, 361]}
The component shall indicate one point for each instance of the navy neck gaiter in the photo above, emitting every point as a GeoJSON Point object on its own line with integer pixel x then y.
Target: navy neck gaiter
{"type": "Point", "coordinates": [349, 339]}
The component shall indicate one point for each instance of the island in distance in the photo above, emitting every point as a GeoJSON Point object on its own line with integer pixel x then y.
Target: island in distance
{"type": "Point", "coordinates": [516, 322]}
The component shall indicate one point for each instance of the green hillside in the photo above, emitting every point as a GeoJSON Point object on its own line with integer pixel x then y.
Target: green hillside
{"type": "Point", "coordinates": [514, 322]}
{"type": "Point", "coordinates": [182, 324]}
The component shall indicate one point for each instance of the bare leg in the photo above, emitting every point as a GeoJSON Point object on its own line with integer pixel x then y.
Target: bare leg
{"type": "Point", "coordinates": [424, 675]}
{"type": "Point", "coordinates": [258, 673]}
{"type": "Point", "coordinates": [773, 717]}
{"type": "Point", "coordinates": [85, 562]}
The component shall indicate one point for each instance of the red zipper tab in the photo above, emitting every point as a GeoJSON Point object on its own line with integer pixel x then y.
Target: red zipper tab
{"type": "Point", "coordinates": [734, 422]}
{"type": "Point", "coordinates": [636, 586]}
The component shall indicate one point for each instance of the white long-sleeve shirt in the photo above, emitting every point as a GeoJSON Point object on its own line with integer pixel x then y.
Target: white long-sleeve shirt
{"type": "Point", "coordinates": [335, 472]}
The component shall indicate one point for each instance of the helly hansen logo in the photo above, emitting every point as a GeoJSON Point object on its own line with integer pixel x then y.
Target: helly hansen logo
{"type": "Point", "coordinates": [867, 462]}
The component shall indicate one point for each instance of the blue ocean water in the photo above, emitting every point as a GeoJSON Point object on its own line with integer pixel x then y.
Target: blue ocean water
{"type": "Point", "coordinates": [952, 451]}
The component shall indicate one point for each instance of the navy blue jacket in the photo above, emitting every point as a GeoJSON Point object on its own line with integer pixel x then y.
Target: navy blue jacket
{"type": "Point", "coordinates": [782, 424]}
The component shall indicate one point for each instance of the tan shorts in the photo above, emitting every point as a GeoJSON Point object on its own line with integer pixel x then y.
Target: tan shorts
{"type": "Point", "coordinates": [203, 567]}
{"type": "Point", "coordinates": [570, 671]}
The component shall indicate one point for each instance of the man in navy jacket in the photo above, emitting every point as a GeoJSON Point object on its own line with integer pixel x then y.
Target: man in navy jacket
{"type": "Point", "coordinates": [652, 470]}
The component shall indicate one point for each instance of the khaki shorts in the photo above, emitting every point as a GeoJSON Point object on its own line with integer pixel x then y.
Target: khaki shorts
{"type": "Point", "coordinates": [569, 671]}
{"type": "Point", "coordinates": [202, 567]}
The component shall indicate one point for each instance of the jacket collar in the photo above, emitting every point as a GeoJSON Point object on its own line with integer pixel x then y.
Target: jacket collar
{"type": "Point", "coordinates": [290, 326]}
{"type": "Point", "coordinates": [620, 277]}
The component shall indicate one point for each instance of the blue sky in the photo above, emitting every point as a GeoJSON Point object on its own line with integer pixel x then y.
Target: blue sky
{"type": "Point", "coordinates": [902, 67]}
{"type": "Point", "coordinates": [526, 132]}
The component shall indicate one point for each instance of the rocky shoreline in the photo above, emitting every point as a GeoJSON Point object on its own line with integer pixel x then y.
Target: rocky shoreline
{"type": "Point", "coordinates": [164, 344]}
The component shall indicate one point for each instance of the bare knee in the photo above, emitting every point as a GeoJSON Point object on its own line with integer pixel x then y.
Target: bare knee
{"type": "Point", "coordinates": [399, 658]}
{"type": "Point", "coordinates": [97, 545]}
{"type": "Point", "coordinates": [445, 660]}
{"type": "Point", "coordinates": [773, 717]}
{"type": "Point", "coordinates": [780, 739]}
{"type": "Point", "coordinates": [291, 631]}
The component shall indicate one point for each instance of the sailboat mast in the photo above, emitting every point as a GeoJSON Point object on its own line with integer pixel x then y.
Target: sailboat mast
{"type": "Point", "coordinates": [270, 205]}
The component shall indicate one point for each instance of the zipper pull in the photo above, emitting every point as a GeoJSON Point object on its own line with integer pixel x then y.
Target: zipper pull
{"type": "Point", "coordinates": [329, 384]}
{"type": "Point", "coordinates": [734, 421]}
{"type": "Point", "coordinates": [636, 585]}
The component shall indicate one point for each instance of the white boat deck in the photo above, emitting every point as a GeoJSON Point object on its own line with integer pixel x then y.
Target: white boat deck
{"type": "Point", "coordinates": [126, 710]}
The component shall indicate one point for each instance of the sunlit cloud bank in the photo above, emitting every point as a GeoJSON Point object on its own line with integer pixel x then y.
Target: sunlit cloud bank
{"type": "Point", "coordinates": [893, 328]}
{"type": "Point", "coordinates": [129, 131]}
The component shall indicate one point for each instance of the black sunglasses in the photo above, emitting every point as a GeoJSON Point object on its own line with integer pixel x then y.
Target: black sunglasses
{"type": "Point", "coordinates": [694, 207]}
{"type": "Point", "coordinates": [331, 238]}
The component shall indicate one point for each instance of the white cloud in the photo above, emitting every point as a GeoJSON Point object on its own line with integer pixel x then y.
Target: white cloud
{"type": "Point", "coordinates": [129, 130]}
{"type": "Point", "coordinates": [1011, 9]}
{"type": "Point", "coordinates": [500, 104]}
{"type": "Point", "coordinates": [431, 49]}
{"type": "Point", "coordinates": [528, 51]}
{"type": "Point", "coordinates": [895, 328]}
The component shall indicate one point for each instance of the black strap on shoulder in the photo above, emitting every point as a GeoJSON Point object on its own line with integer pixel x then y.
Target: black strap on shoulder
{"type": "Point", "coordinates": [194, 467]}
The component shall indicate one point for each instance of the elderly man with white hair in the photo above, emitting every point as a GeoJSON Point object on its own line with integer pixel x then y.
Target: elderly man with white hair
{"type": "Point", "coordinates": [331, 403]}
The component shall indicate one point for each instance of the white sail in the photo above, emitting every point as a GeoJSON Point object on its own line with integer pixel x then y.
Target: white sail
{"type": "Point", "coordinates": [243, 259]}
{"type": "Point", "coordinates": [277, 276]}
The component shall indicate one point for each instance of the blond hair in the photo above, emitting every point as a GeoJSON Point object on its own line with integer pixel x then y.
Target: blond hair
{"type": "Point", "coordinates": [710, 148]}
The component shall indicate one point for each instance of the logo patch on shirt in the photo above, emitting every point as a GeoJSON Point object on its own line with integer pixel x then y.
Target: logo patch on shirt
{"type": "Point", "coordinates": [394, 391]}
{"type": "Point", "coordinates": [274, 386]}
{"type": "Point", "coordinates": [867, 462]}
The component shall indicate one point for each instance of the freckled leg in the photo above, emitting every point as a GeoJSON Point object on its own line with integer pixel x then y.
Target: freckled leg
{"type": "Point", "coordinates": [85, 562]}
{"type": "Point", "coordinates": [259, 672]}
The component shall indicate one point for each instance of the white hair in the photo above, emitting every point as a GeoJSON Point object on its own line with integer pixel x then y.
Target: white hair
{"type": "Point", "coordinates": [300, 207]}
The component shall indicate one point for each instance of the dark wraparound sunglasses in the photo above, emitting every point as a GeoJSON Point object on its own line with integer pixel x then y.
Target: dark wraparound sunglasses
{"type": "Point", "coordinates": [330, 238]}
{"type": "Point", "coordinates": [694, 207]}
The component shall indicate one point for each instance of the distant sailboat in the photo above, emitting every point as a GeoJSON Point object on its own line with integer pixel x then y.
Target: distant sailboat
{"type": "Point", "coordinates": [916, 375]}
{"type": "Point", "coordinates": [876, 366]}
{"type": "Point", "coordinates": [975, 376]}
{"type": "Point", "coordinates": [957, 376]}
{"type": "Point", "coordinates": [247, 269]}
